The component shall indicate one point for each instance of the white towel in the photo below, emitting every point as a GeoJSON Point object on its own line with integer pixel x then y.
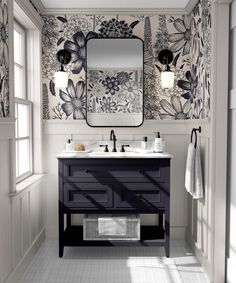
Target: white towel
{"type": "Point", "coordinates": [112, 226]}
{"type": "Point", "coordinates": [198, 189]}
{"type": "Point", "coordinates": [189, 173]}
{"type": "Point", "coordinates": [193, 173]}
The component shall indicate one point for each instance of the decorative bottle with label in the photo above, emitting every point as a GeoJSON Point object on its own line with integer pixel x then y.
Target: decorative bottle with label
{"type": "Point", "coordinates": [158, 145]}
{"type": "Point", "coordinates": [68, 146]}
{"type": "Point", "coordinates": [144, 143]}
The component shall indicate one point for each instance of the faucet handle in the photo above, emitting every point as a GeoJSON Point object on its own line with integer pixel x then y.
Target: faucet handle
{"type": "Point", "coordinates": [123, 147]}
{"type": "Point", "coordinates": [106, 147]}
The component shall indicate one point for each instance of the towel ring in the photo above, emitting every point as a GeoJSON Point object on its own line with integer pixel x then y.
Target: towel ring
{"type": "Point", "coordinates": [194, 130]}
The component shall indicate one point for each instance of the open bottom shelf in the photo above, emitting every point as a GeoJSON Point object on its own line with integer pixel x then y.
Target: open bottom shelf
{"type": "Point", "coordinates": [150, 236]}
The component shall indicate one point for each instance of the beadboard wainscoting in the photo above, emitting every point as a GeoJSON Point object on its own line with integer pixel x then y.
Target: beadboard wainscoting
{"type": "Point", "coordinates": [27, 211]}
{"type": "Point", "coordinates": [199, 212]}
{"type": "Point", "coordinates": [21, 214]}
{"type": "Point", "coordinates": [5, 206]}
{"type": "Point", "coordinates": [176, 135]}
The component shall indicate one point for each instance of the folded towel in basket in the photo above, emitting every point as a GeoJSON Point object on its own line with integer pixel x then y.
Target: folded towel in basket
{"type": "Point", "coordinates": [112, 226]}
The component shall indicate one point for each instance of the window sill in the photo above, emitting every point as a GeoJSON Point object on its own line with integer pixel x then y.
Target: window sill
{"type": "Point", "coordinates": [26, 183]}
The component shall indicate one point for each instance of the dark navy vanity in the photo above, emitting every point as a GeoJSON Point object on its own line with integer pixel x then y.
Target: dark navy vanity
{"type": "Point", "coordinates": [91, 184]}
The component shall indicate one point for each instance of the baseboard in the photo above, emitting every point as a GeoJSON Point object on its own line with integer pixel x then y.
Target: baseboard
{"type": "Point", "coordinates": [198, 253]}
{"type": "Point", "coordinates": [231, 272]}
{"type": "Point", "coordinates": [16, 274]}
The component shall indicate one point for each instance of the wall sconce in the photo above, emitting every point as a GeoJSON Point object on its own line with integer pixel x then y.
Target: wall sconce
{"type": "Point", "coordinates": [167, 76]}
{"type": "Point", "coordinates": [61, 76]}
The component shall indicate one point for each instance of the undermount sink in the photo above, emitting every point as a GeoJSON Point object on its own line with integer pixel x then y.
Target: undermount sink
{"type": "Point", "coordinates": [102, 153]}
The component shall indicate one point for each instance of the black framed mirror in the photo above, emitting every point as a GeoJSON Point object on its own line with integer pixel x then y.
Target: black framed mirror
{"type": "Point", "coordinates": [115, 82]}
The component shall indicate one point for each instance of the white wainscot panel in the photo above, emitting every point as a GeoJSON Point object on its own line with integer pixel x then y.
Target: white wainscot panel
{"type": "Point", "coordinates": [27, 224]}
{"type": "Point", "coordinates": [199, 227]}
{"type": "Point", "coordinates": [5, 211]}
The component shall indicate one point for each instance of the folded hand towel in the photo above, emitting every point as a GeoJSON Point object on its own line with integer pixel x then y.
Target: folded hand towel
{"type": "Point", "coordinates": [193, 173]}
{"type": "Point", "coordinates": [112, 226]}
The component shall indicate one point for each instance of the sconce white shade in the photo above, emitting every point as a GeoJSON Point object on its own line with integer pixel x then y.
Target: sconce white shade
{"type": "Point", "coordinates": [61, 79]}
{"type": "Point", "coordinates": [167, 79]}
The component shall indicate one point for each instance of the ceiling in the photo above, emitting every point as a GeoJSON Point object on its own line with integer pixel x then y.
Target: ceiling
{"type": "Point", "coordinates": [114, 4]}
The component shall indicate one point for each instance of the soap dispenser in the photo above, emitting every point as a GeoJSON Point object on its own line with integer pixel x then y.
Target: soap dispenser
{"type": "Point", "coordinates": [144, 143]}
{"type": "Point", "coordinates": [72, 144]}
{"type": "Point", "coordinates": [68, 146]}
{"type": "Point", "coordinates": [158, 144]}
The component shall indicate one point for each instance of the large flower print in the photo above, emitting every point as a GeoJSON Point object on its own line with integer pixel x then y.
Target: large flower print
{"type": "Point", "coordinates": [75, 100]}
{"type": "Point", "coordinates": [123, 77]}
{"type": "Point", "coordinates": [3, 34]}
{"type": "Point", "coordinates": [77, 50]}
{"type": "Point", "coordinates": [181, 39]}
{"type": "Point", "coordinates": [107, 105]}
{"type": "Point", "coordinates": [190, 85]}
{"type": "Point", "coordinates": [174, 109]}
{"type": "Point", "coordinates": [130, 89]}
{"type": "Point", "coordinates": [115, 28]}
{"type": "Point", "coordinates": [111, 84]}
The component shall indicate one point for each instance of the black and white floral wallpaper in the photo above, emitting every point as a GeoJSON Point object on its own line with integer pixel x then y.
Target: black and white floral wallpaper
{"type": "Point", "coordinates": [4, 62]}
{"type": "Point", "coordinates": [188, 36]}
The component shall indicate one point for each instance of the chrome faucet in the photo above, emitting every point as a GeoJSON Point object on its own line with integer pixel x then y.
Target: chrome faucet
{"type": "Point", "coordinates": [113, 138]}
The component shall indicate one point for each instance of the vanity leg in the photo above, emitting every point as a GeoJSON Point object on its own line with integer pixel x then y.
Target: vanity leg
{"type": "Point", "coordinates": [161, 220]}
{"type": "Point", "coordinates": [167, 232]}
{"type": "Point", "coordinates": [61, 250]}
{"type": "Point", "coordinates": [61, 230]}
{"type": "Point", "coordinates": [68, 220]}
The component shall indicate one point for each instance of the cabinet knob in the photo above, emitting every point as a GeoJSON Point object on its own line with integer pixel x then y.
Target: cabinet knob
{"type": "Point", "coordinates": [140, 170]}
{"type": "Point", "coordinates": [140, 196]}
{"type": "Point", "coordinates": [86, 170]}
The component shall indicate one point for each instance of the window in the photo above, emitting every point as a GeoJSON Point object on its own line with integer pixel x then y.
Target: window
{"type": "Point", "coordinates": [23, 107]}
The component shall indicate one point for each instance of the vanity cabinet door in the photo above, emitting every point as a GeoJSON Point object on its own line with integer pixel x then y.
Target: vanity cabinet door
{"type": "Point", "coordinates": [136, 196]}
{"type": "Point", "coordinates": [88, 195]}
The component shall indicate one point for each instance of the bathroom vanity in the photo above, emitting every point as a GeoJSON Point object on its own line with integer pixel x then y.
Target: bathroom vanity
{"type": "Point", "coordinates": [114, 183]}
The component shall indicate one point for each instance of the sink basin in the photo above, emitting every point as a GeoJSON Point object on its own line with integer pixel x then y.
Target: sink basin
{"type": "Point", "coordinates": [111, 154]}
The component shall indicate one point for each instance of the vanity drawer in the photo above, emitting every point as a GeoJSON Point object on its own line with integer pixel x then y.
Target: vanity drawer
{"type": "Point", "coordinates": [115, 170]}
{"type": "Point", "coordinates": [88, 195]}
{"type": "Point", "coordinates": [87, 172]}
{"type": "Point", "coordinates": [140, 196]}
{"type": "Point", "coordinates": [139, 174]}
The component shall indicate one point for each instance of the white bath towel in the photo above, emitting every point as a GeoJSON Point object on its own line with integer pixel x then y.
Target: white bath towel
{"type": "Point", "coordinates": [112, 226]}
{"type": "Point", "coordinates": [198, 188]}
{"type": "Point", "coordinates": [190, 169]}
{"type": "Point", "coordinates": [193, 173]}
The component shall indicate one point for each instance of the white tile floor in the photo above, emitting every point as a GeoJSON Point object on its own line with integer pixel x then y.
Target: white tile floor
{"type": "Point", "coordinates": [114, 265]}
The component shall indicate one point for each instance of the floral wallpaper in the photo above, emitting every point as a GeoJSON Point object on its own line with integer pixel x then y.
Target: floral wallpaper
{"type": "Point", "coordinates": [188, 36]}
{"type": "Point", "coordinates": [115, 91]}
{"type": "Point", "coordinates": [4, 62]}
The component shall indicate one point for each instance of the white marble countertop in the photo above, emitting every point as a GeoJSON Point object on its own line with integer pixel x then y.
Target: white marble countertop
{"type": "Point", "coordinates": [100, 154]}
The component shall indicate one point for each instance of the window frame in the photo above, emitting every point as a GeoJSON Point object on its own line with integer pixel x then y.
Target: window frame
{"type": "Point", "coordinates": [23, 101]}
{"type": "Point", "coordinates": [20, 29]}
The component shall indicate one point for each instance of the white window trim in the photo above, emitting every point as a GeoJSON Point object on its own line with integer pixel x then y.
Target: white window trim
{"type": "Point", "coordinates": [29, 137]}
{"type": "Point", "coordinates": [24, 100]}
{"type": "Point", "coordinates": [26, 15]}
{"type": "Point", "coordinates": [23, 65]}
